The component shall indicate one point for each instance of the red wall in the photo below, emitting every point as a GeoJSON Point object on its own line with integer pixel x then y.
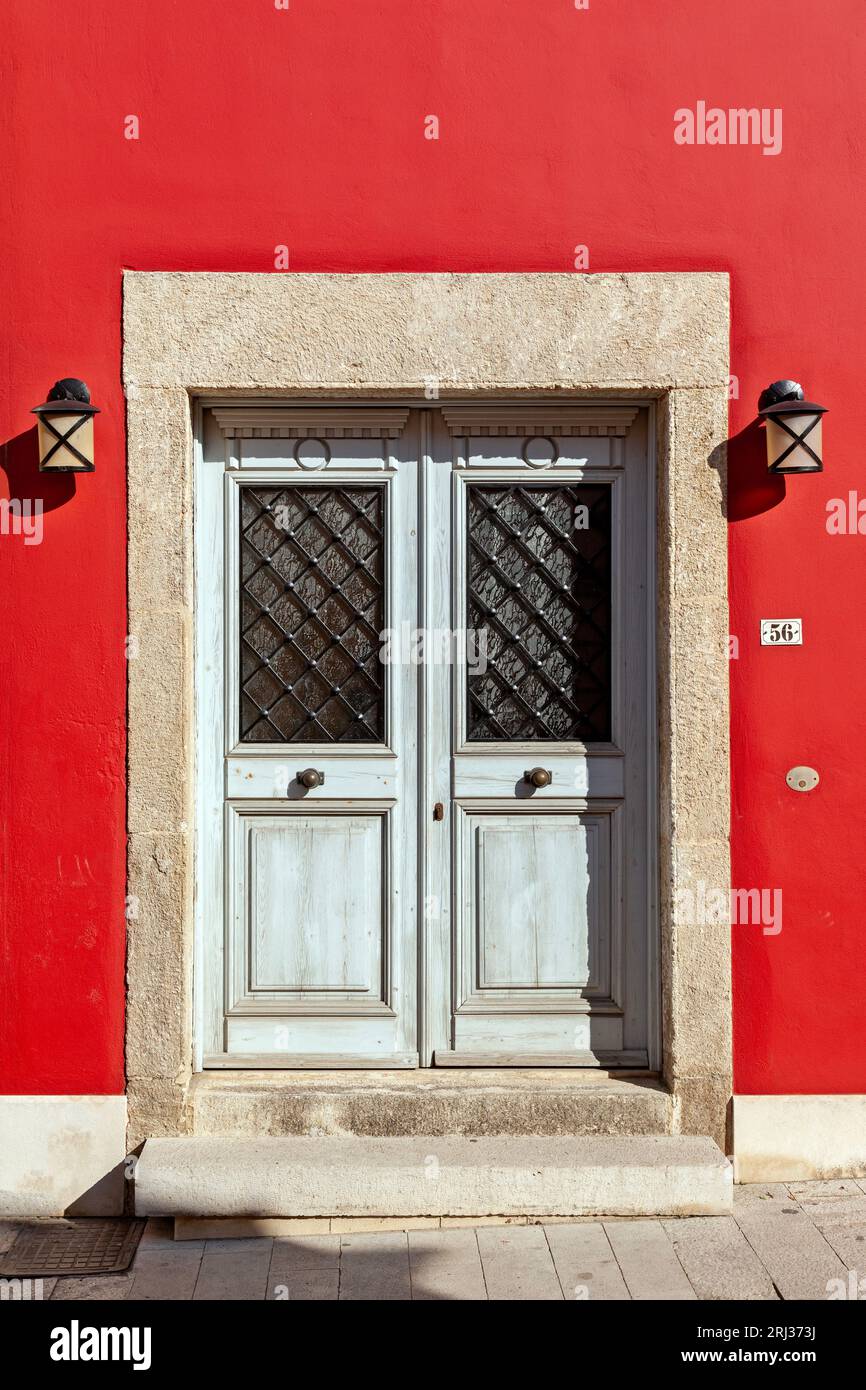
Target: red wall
{"type": "Point", "coordinates": [261, 127]}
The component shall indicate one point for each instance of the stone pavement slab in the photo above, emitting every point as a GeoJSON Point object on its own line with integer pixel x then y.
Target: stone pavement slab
{"type": "Point", "coordinates": [718, 1261]}
{"type": "Point", "coordinates": [585, 1262]}
{"type": "Point", "coordinates": [446, 1265]}
{"type": "Point", "coordinates": [648, 1261]}
{"type": "Point", "coordinates": [793, 1251]}
{"type": "Point", "coordinates": [375, 1268]}
{"type": "Point", "coordinates": [518, 1265]}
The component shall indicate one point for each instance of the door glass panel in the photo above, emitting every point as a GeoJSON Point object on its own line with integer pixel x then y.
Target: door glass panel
{"type": "Point", "coordinates": [312, 603]}
{"type": "Point", "coordinates": [539, 587]}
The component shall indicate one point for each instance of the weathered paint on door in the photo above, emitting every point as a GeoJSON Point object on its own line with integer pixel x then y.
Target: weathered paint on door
{"type": "Point", "coordinates": [424, 608]}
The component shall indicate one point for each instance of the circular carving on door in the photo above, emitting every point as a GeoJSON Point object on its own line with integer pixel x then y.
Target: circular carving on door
{"type": "Point", "coordinates": [312, 453]}
{"type": "Point", "coordinates": [540, 451]}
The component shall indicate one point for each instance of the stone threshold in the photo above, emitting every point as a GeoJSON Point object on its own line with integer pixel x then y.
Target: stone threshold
{"type": "Point", "coordinates": [471, 1102]}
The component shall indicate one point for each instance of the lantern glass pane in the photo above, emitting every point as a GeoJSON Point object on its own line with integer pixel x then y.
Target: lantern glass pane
{"type": "Point", "coordinates": [63, 459]}
{"type": "Point", "coordinates": [799, 460]}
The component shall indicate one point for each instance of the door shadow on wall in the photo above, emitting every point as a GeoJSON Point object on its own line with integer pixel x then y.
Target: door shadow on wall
{"type": "Point", "coordinates": [748, 489]}
{"type": "Point", "coordinates": [19, 460]}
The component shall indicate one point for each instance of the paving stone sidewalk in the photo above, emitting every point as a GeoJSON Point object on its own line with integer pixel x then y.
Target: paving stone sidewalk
{"type": "Point", "coordinates": [783, 1242]}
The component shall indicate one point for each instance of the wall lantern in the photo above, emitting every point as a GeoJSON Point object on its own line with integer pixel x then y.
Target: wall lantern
{"type": "Point", "coordinates": [793, 429]}
{"type": "Point", "coordinates": [66, 428]}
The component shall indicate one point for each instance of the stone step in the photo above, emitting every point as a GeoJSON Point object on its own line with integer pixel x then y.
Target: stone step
{"type": "Point", "coordinates": [447, 1103]}
{"type": "Point", "coordinates": [455, 1176]}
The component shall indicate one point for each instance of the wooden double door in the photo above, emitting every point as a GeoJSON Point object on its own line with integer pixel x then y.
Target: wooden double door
{"type": "Point", "coordinates": [425, 735]}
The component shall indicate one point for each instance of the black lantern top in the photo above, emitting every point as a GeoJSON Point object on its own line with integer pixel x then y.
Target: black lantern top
{"type": "Point", "coordinates": [69, 396]}
{"type": "Point", "coordinates": [787, 398]}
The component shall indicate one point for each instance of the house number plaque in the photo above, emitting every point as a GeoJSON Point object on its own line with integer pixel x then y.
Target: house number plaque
{"type": "Point", "coordinates": [781, 632]}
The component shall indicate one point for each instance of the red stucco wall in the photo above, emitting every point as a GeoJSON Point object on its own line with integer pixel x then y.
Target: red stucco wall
{"type": "Point", "coordinates": [259, 127]}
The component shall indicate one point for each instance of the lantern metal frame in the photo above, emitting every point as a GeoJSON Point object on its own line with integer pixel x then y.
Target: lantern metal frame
{"type": "Point", "coordinates": [783, 399]}
{"type": "Point", "coordinates": [68, 397]}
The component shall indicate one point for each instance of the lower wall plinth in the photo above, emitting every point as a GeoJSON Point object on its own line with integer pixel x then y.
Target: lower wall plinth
{"type": "Point", "coordinates": [62, 1155]}
{"type": "Point", "coordinates": [797, 1138]}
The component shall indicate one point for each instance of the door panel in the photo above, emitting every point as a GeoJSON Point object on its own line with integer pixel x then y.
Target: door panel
{"type": "Point", "coordinates": [538, 930]}
{"type": "Point", "coordinates": [549, 870]}
{"type": "Point", "coordinates": [541, 871]}
{"type": "Point", "coordinates": [591, 774]}
{"type": "Point", "coordinates": [310, 931]}
{"type": "Point", "coordinates": [314, 899]}
{"type": "Point", "coordinates": [550, 884]}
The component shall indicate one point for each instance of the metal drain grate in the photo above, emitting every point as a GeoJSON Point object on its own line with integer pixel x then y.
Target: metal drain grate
{"type": "Point", "coordinates": [87, 1246]}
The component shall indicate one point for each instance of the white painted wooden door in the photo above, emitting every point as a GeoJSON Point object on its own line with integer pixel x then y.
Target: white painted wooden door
{"type": "Point", "coordinates": [306, 553]}
{"type": "Point", "coordinates": [542, 897]}
{"type": "Point", "coordinates": [424, 901]}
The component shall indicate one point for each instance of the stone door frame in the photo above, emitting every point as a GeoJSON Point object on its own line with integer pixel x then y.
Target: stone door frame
{"type": "Point", "coordinates": [661, 337]}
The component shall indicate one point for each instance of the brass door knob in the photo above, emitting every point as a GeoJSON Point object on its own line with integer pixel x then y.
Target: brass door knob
{"type": "Point", "coordinates": [538, 777]}
{"type": "Point", "coordinates": [310, 778]}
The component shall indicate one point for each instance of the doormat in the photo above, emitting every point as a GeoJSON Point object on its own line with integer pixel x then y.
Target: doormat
{"type": "Point", "coordinates": [85, 1246]}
